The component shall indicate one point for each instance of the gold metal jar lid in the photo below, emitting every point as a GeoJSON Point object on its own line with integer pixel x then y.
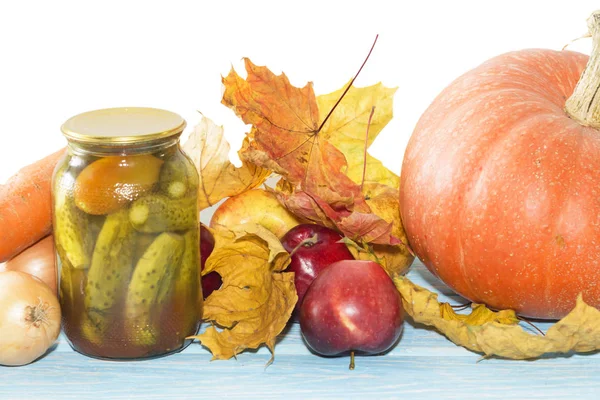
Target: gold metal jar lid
{"type": "Point", "coordinates": [123, 125]}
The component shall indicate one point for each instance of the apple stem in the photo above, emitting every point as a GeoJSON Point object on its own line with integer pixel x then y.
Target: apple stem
{"type": "Point", "coordinates": [362, 183]}
{"type": "Point", "coordinates": [351, 367]}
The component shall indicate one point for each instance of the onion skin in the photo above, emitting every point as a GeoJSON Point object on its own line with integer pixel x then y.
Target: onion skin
{"type": "Point", "coordinates": [29, 318]}
{"type": "Point", "coordinates": [38, 260]}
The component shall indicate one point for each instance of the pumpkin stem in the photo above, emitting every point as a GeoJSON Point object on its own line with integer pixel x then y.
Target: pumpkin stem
{"type": "Point", "coordinates": [584, 104]}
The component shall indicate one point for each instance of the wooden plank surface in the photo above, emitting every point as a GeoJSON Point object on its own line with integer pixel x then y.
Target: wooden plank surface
{"type": "Point", "coordinates": [423, 365]}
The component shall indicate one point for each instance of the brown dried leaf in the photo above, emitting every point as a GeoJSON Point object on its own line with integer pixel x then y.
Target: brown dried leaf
{"type": "Point", "coordinates": [285, 133]}
{"type": "Point", "coordinates": [219, 178]}
{"type": "Point", "coordinates": [360, 226]}
{"type": "Point", "coordinates": [256, 298]}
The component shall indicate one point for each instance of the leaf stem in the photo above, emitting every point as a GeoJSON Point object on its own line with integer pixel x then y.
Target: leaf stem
{"type": "Point", "coordinates": [459, 307]}
{"type": "Point", "coordinates": [532, 324]}
{"type": "Point", "coordinates": [348, 87]}
{"type": "Point", "coordinates": [314, 239]}
{"type": "Point", "coordinates": [362, 182]}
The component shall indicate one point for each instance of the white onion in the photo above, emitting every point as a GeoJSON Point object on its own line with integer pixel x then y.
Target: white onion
{"type": "Point", "coordinates": [29, 318]}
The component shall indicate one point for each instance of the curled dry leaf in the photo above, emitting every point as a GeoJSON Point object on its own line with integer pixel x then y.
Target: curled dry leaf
{"type": "Point", "coordinates": [479, 316]}
{"type": "Point", "coordinates": [289, 136]}
{"type": "Point", "coordinates": [219, 178]}
{"type": "Point", "coordinates": [396, 258]}
{"type": "Point", "coordinates": [301, 204]}
{"type": "Point", "coordinates": [383, 200]}
{"type": "Point", "coordinates": [256, 298]}
{"type": "Point", "coordinates": [497, 334]}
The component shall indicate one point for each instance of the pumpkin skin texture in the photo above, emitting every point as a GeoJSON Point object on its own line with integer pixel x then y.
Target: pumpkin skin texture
{"type": "Point", "coordinates": [500, 188]}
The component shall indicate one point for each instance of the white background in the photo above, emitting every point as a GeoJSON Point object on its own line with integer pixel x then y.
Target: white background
{"type": "Point", "coordinates": [60, 58]}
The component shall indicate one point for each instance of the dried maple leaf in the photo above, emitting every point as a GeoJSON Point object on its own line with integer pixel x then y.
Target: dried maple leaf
{"type": "Point", "coordinates": [496, 334]}
{"type": "Point", "coordinates": [219, 178]}
{"type": "Point", "coordinates": [347, 124]}
{"type": "Point", "coordinates": [301, 204]}
{"type": "Point", "coordinates": [256, 298]}
{"type": "Point", "coordinates": [286, 137]}
{"type": "Point", "coordinates": [285, 133]}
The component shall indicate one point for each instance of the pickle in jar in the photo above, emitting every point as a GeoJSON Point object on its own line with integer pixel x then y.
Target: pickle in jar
{"type": "Point", "coordinates": [151, 283]}
{"type": "Point", "coordinates": [72, 233]}
{"type": "Point", "coordinates": [178, 178]}
{"type": "Point", "coordinates": [188, 286]}
{"type": "Point", "coordinates": [109, 273]}
{"type": "Point", "coordinates": [159, 213]}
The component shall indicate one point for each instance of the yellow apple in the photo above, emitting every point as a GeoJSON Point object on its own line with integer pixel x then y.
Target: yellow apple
{"type": "Point", "coordinates": [254, 206]}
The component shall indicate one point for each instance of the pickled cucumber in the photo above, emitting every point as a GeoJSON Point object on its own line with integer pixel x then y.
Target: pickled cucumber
{"type": "Point", "coordinates": [187, 285]}
{"type": "Point", "coordinates": [111, 267]}
{"type": "Point", "coordinates": [66, 286]}
{"type": "Point", "coordinates": [150, 286]}
{"type": "Point", "coordinates": [71, 228]}
{"type": "Point", "coordinates": [142, 242]}
{"type": "Point", "coordinates": [178, 177]}
{"type": "Point", "coordinates": [95, 224]}
{"type": "Point", "coordinates": [159, 213]}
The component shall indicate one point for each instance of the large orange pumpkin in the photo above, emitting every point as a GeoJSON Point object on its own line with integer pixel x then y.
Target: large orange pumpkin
{"type": "Point", "coordinates": [500, 186]}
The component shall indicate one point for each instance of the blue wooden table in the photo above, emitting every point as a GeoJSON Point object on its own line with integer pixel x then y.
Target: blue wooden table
{"type": "Point", "coordinates": [423, 365]}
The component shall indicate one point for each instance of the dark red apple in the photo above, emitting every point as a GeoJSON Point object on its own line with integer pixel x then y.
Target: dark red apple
{"type": "Point", "coordinates": [211, 281]}
{"type": "Point", "coordinates": [312, 257]}
{"type": "Point", "coordinates": [352, 306]}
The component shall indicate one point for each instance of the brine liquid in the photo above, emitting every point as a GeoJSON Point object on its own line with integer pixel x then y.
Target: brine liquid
{"type": "Point", "coordinates": [174, 321]}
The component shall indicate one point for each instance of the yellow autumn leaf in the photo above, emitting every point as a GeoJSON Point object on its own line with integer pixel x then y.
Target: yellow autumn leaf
{"type": "Point", "coordinates": [395, 259]}
{"type": "Point", "coordinates": [347, 127]}
{"type": "Point", "coordinates": [384, 202]}
{"type": "Point", "coordinates": [256, 298]}
{"type": "Point", "coordinates": [219, 178]}
{"type": "Point", "coordinates": [479, 316]}
{"type": "Point", "coordinates": [496, 334]}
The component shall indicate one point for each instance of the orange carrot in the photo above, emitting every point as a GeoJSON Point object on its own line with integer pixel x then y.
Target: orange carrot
{"type": "Point", "coordinates": [26, 206]}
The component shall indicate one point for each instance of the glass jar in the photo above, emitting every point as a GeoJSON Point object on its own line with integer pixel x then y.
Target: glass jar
{"type": "Point", "coordinates": [126, 230]}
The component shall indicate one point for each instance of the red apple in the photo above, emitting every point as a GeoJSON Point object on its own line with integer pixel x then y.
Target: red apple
{"type": "Point", "coordinates": [312, 257]}
{"type": "Point", "coordinates": [211, 281]}
{"type": "Point", "coordinates": [352, 306]}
